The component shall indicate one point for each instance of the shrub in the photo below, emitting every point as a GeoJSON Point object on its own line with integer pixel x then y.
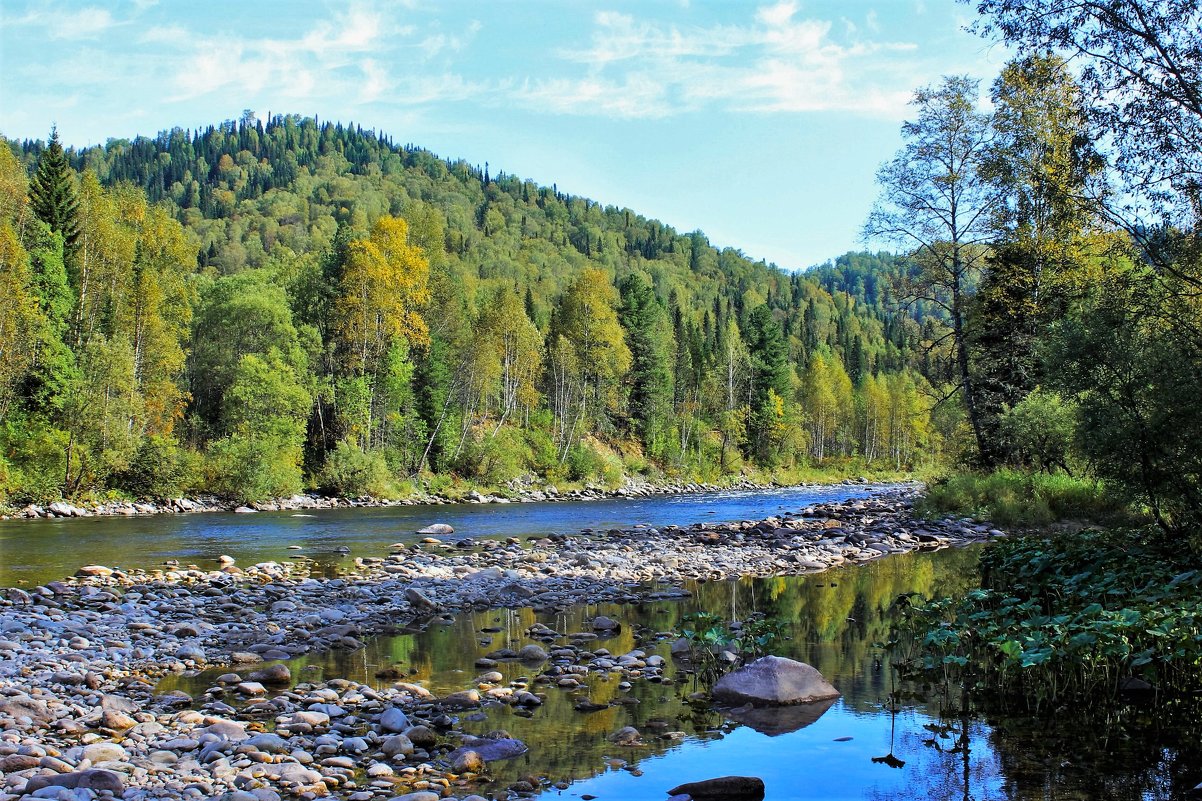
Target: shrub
{"type": "Point", "coordinates": [247, 468]}
{"type": "Point", "coordinates": [349, 471]}
{"type": "Point", "coordinates": [37, 465]}
{"type": "Point", "coordinates": [494, 459]}
{"type": "Point", "coordinates": [1012, 497]}
{"type": "Point", "coordinates": [160, 468]}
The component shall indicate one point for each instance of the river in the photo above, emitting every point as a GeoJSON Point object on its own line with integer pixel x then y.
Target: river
{"type": "Point", "coordinates": [37, 551]}
{"type": "Point", "coordinates": [869, 744]}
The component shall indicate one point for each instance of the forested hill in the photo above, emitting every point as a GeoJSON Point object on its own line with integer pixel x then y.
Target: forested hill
{"type": "Point", "coordinates": [332, 309]}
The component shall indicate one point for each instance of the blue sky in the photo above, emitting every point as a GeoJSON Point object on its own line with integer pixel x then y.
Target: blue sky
{"type": "Point", "coordinates": [761, 124]}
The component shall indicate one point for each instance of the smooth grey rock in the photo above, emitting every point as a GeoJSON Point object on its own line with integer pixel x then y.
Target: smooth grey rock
{"type": "Point", "coordinates": [532, 653]}
{"type": "Point", "coordinates": [397, 745]}
{"type": "Point", "coordinates": [773, 680]}
{"type": "Point", "coordinates": [92, 779]}
{"type": "Point", "coordinates": [394, 720]}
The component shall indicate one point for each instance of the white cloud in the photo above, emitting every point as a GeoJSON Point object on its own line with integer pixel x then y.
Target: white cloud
{"type": "Point", "coordinates": [338, 57]}
{"type": "Point", "coordinates": [778, 61]}
{"type": "Point", "coordinates": [70, 24]}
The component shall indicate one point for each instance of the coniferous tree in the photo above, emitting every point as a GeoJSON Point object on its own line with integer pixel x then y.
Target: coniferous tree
{"type": "Point", "coordinates": [52, 194]}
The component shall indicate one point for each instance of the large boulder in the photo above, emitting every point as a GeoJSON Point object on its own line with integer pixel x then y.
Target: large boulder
{"type": "Point", "coordinates": [437, 530]}
{"type": "Point", "coordinates": [725, 788]}
{"type": "Point", "coordinates": [773, 681]}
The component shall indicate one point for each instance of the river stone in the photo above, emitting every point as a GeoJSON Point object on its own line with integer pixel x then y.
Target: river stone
{"type": "Point", "coordinates": [725, 788]}
{"type": "Point", "coordinates": [419, 599]}
{"type": "Point", "coordinates": [468, 762]}
{"type": "Point", "coordinates": [464, 699]}
{"type": "Point", "coordinates": [627, 735]}
{"type": "Point", "coordinates": [436, 530]}
{"type": "Point", "coordinates": [394, 720]}
{"type": "Point", "coordinates": [98, 780]}
{"type": "Point", "coordinates": [603, 623]}
{"type": "Point", "coordinates": [227, 730]}
{"type": "Point", "coordinates": [191, 651]}
{"type": "Point", "coordinates": [532, 653]}
{"type": "Point", "coordinates": [23, 706]}
{"type": "Point", "coordinates": [103, 752]}
{"type": "Point", "coordinates": [272, 674]}
{"type": "Point", "coordinates": [422, 736]}
{"type": "Point", "coordinates": [490, 750]}
{"type": "Point", "coordinates": [269, 743]}
{"type": "Point", "coordinates": [397, 745]}
{"type": "Point", "coordinates": [773, 680]}
{"type": "Point", "coordinates": [422, 795]}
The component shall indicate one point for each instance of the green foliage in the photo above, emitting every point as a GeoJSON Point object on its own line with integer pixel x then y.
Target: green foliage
{"type": "Point", "coordinates": [161, 469]}
{"type": "Point", "coordinates": [709, 635]}
{"type": "Point", "coordinates": [587, 463]}
{"type": "Point", "coordinates": [52, 195]}
{"type": "Point", "coordinates": [36, 456]}
{"type": "Point", "coordinates": [1039, 431]}
{"type": "Point", "coordinates": [1015, 498]}
{"type": "Point", "coordinates": [1131, 360]}
{"type": "Point", "coordinates": [495, 458]}
{"type": "Point", "coordinates": [351, 472]}
{"type": "Point", "coordinates": [247, 467]}
{"type": "Point", "coordinates": [1062, 620]}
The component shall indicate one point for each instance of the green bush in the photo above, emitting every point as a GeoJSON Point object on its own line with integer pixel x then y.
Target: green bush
{"type": "Point", "coordinates": [37, 465]}
{"type": "Point", "coordinates": [493, 459]}
{"type": "Point", "coordinates": [351, 472]}
{"type": "Point", "coordinates": [161, 469]}
{"type": "Point", "coordinates": [253, 468]}
{"type": "Point", "coordinates": [589, 465]}
{"type": "Point", "coordinates": [543, 455]}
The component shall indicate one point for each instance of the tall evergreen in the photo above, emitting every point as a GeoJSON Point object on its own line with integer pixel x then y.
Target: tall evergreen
{"type": "Point", "coordinates": [52, 194]}
{"type": "Point", "coordinates": [645, 321]}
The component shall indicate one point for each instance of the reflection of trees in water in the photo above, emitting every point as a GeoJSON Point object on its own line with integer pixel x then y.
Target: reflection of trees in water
{"type": "Point", "coordinates": [1129, 753]}
{"type": "Point", "coordinates": [833, 620]}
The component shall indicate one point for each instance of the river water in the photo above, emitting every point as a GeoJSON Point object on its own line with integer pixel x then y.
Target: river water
{"type": "Point", "coordinates": [870, 744]}
{"type": "Point", "coordinates": [36, 551]}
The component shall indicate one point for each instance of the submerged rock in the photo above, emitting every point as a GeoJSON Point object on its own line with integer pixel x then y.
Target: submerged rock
{"type": "Point", "coordinates": [490, 750]}
{"type": "Point", "coordinates": [724, 788]}
{"type": "Point", "coordinates": [773, 681]}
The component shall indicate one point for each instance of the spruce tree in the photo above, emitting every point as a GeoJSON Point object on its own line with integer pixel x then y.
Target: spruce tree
{"type": "Point", "coordinates": [52, 193]}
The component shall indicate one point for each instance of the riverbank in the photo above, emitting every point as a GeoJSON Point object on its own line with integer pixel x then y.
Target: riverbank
{"type": "Point", "coordinates": [313, 502]}
{"type": "Point", "coordinates": [81, 656]}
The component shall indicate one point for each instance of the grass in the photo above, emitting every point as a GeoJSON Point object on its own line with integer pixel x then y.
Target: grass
{"type": "Point", "coordinates": [1016, 498]}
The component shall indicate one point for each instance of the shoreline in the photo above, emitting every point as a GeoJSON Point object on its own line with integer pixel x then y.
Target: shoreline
{"type": "Point", "coordinates": [62, 509]}
{"type": "Point", "coordinates": [79, 657]}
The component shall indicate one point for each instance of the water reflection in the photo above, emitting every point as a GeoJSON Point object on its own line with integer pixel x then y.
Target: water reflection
{"type": "Point", "coordinates": [863, 746]}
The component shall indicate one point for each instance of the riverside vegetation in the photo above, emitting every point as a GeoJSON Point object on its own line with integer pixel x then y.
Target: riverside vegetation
{"type": "Point", "coordinates": [1096, 371]}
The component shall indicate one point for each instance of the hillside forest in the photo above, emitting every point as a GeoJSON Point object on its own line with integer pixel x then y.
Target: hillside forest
{"type": "Point", "coordinates": [265, 306]}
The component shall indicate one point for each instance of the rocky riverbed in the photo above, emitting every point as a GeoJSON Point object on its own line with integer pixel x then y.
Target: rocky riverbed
{"type": "Point", "coordinates": [517, 492]}
{"type": "Point", "coordinates": [79, 658]}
